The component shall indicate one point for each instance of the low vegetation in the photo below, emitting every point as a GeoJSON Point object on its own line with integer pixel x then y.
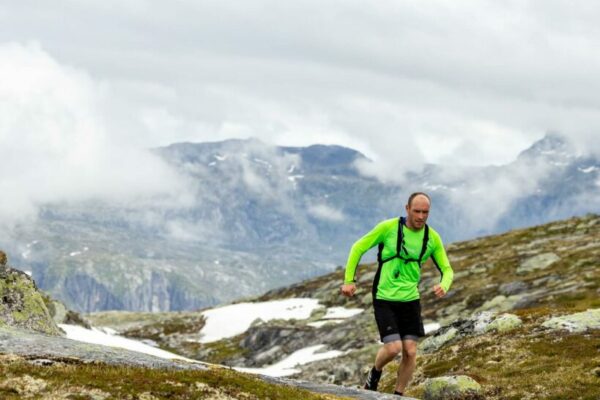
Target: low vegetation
{"type": "Point", "coordinates": [21, 378]}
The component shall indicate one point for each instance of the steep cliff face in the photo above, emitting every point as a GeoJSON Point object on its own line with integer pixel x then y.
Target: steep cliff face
{"type": "Point", "coordinates": [21, 304]}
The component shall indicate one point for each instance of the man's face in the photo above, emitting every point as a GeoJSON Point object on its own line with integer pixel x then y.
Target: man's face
{"type": "Point", "coordinates": [417, 212]}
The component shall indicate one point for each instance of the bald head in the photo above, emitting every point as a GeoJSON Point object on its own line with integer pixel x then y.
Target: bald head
{"type": "Point", "coordinates": [418, 195]}
{"type": "Point", "coordinates": [417, 210]}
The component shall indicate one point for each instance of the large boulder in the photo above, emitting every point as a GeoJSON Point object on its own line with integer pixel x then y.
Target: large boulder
{"type": "Point", "coordinates": [477, 324]}
{"type": "Point", "coordinates": [21, 304]}
{"type": "Point", "coordinates": [452, 388]}
{"type": "Point", "coordinates": [579, 322]}
{"type": "Point", "coordinates": [504, 323]}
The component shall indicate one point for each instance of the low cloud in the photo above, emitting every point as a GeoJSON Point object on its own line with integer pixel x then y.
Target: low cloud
{"type": "Point", "coordinates": [326, 213]}
{"type": "Point", "coordinates": [58, 145]}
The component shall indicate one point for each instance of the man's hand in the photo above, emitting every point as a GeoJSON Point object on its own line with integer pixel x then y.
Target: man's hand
{"type": "Point", "coordinates": [439, 292]}
{"type": "Point", "coordinates": [348, 289]}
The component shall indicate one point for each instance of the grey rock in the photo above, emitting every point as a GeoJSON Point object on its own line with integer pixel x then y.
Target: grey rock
{"type": "Point", "coordinates": [335, 389]}
{"type": "Point", "coordinates": [540, 261]}
{"type": "Point", "coordinates": [504, 323]}
{"type": "Point", "coordinates": [501, 303]}
{"type": "Point", "coordinates": [579, 322]}
{"type": "Point", "coordinates": [476, 324]}
{"type": "Point", "coordinates": [22, 305]}
{"type": "Point", "coordinates": [514, 287]}
{"type": "Point", "coordinates": [268, 356]}
{"type": "Point", "coordinates": [433, 343]}
{"type": "Point", "coordinates": [42, 362]}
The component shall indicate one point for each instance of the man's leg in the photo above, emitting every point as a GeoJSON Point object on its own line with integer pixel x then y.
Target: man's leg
{"type": "Point", "coordinates": [407, 364]}
{"type": "Point", "coordinates": [387, 353]}
{"type": "Point", "coordinates": [391, 348]}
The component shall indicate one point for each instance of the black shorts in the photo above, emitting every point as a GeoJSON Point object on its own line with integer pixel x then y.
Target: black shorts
{"type": "Point", "coordinates": [398, 320]}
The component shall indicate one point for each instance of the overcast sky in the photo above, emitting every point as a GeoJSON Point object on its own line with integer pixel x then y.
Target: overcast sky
{"type": "Point", "coordinates": [85, 85]}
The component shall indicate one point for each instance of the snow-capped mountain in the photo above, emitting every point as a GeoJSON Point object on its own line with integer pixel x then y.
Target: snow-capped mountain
{"type": "Point", "coordinates": [261, 216]}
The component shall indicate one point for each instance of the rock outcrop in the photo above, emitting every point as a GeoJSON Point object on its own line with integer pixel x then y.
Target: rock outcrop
{"type": "Point", "coordinates": [452, 388]}
{"type": "Point", "coordinates": [579, 322]}
{"type": "Point", "coordinates": [21, 304]}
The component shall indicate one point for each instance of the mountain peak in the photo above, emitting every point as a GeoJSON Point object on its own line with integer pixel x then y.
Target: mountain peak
{"type": "Point", "coordinates": [553, 145]}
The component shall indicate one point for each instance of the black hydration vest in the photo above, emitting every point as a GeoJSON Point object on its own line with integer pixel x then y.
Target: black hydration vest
{"type": "Point", "coordinates": [399, 247]}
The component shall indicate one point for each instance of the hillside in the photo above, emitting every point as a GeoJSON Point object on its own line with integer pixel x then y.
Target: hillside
{"type": "Point", "coordinates": [40, 358]}
{"type": "Point", "coordinates": [532, 275]}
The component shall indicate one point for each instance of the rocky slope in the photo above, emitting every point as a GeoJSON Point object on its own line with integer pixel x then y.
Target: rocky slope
{"type": "Point", "coordinates": [36, 362]}
{"type": "Point", "coordinates": [536, 274]}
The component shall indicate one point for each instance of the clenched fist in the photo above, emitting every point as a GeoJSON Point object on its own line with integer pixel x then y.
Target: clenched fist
{"type": "Point", "coordinates": [348, 289]}
{"type": "Point", "coordinates": [439, 292]}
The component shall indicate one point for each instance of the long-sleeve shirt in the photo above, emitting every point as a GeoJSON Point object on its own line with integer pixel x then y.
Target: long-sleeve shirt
{"type": "Point", "coordinates": [398, 280]}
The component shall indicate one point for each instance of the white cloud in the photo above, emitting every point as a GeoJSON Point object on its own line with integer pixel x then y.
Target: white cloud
{"type": "Point", "coordinates": [391, 76]}
{"type": "Point", "coordinates": [325, 212]}
{"type": "Point", "coordinates": [57, 145]}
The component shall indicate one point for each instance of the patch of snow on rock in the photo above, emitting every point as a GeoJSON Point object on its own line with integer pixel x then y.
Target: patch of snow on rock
{"type": "Point", "coordinates": [287, 366]}
{"type": "Point", "coordinates": [228, 321]}
{"type": "Point", "coordinates": [341, 312]}
{"type": "Point", "coordinates": [96, 336]}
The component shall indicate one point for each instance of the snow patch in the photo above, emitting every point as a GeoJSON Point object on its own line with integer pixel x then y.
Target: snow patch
{"type": "Point", "coordinates": [588, 169]}
{"type": "Point", "coordinates": [220, 157]}
{"type": "Point", "coordinates": [258, 160]}
{"type": "Point", "coordinates": [97, 336]}
{"type": "Point", "coordinates": [341, 312]}
{"type": "Point", "coordinates": [287, 366]}
{"type": "Point", "coordinates": [431, 327]}
{"type": "Point", "coordinates": [292, 168]}
{"type": "Point", "coordinates": [74, 253]}
{"type": "Point", "coordinates": [228, 321]}
{"type": "Point", "coordinates": [321, 323]}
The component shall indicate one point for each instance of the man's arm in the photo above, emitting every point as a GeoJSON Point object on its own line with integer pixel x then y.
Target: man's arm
{"type": "Point", "coordinates": [440, 259]}
{"type": "Point", "coordinates": [360, 247]}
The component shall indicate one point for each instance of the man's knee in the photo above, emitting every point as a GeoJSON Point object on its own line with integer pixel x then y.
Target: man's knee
{"type": "Point", "coordinates": [394, 347]}
{"type": "Point", "coordinates": [409, 351]}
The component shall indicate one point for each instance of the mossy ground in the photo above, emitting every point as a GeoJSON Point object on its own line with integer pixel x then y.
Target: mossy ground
{"type": "Point", "coordinates": [525, 363]}
{"type": "Point", "coordinates": [79, 381]}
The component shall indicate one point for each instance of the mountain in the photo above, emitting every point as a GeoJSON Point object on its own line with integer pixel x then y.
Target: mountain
{"type": "Point", "coordinates": [260, 217]}
{"type": "Point", "coordinates": [522, 320]}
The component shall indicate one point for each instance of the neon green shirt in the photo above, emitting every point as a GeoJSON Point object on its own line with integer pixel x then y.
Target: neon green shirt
{"type": "Point", "coordinates": [402, 286]}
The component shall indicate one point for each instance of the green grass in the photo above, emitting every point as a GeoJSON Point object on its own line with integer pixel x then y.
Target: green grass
{"type": "Point", "coordinates": [129, 382]}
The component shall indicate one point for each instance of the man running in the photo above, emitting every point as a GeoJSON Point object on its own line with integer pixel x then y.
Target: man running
{"type": "Point", "coordinates": [404, 245]}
